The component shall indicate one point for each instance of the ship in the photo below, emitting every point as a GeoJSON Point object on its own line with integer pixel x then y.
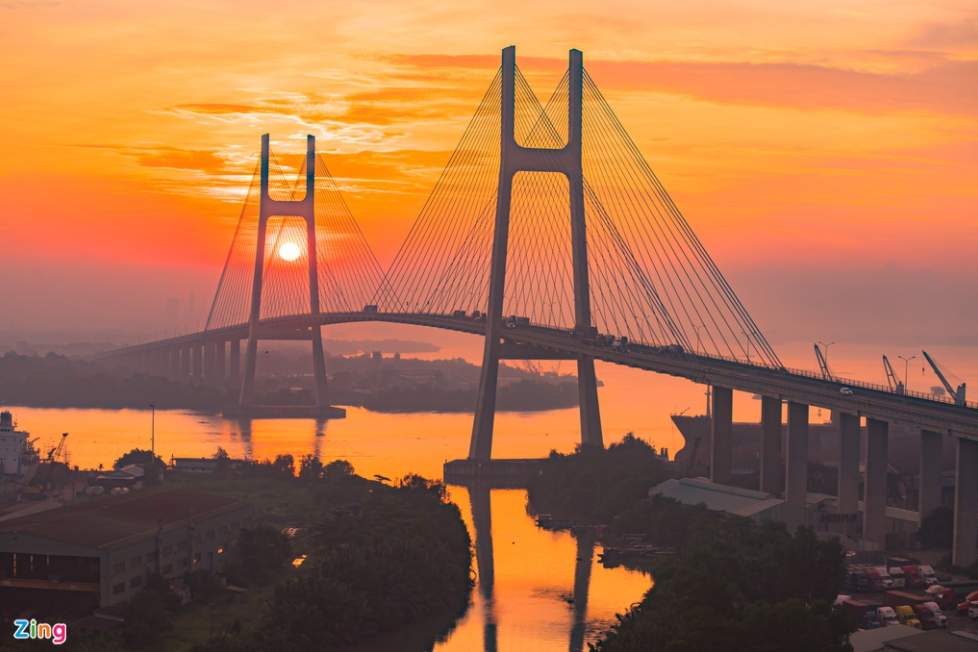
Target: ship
{"type": "Point", "coordinates": [18, 457]}
{"type": "Point", "coordinates": [903, 450]}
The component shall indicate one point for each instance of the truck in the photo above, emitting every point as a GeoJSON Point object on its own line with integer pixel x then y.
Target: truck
{"type": "Point", "coordinates": [857, 580]}
{"type": "Point", "coordinates": [885, 580]}
{"type": "Point", "coordinates": [937, 613]}
{"type": "Point", "coordinates": [900, 598]}
{"type": "Point", "coordinates": [913, 579]}
{"type": "Point", "coordinates": [370, 308]}
{"type": "Point", "coordinates": [925, 616]}
{"type": "Point", "coordinates": [887, 616]}
{"type": "Point", "coordinates": [875, 583]}
{"type": "Point", "coordinates": [862, 614]}
{"type": "Point", "coordinates": [458, 313]}
{"type": "Point", "coordinates": [906, 616]}
{"type": "Point", "coordinates": [898, 576]}
{"type": "Point", "coordinates": [927, 572]}
{"type": "Point", "coordinates": [944, 597]}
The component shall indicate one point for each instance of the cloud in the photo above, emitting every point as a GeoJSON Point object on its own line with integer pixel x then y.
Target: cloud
{"type": "Point", "coordinates": [943, 87]}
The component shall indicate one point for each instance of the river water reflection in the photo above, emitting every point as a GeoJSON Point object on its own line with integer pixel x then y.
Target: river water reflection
{"type": "Point", "coordinates": [536, 589]}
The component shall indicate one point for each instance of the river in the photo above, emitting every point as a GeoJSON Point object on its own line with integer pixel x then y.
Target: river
{"type": "Point", "coordinates": [526, 597]}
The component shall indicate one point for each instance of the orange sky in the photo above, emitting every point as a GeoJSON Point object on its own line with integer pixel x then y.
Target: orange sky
{"type": "Point", "coordinates": [838, 138]}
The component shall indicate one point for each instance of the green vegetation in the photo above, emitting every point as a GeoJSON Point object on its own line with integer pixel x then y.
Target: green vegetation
{"type": "Point", "coordinates": [595, 484]}
{"type": "Point", "coordinates": [734, 585]}
{"type": "Point", "coordinates": [381, 558]}
{"type": "Point", "coordinates": [731, 584]}
{"type": "Point", "coordinates": [378, 558]}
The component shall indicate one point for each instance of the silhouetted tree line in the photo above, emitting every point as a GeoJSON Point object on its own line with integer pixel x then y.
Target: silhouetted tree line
{"type": "Point", "coordinates": [386, 556]}
{"type": "Point", "coordinates": [595, 484]}
{"type": "Point", "coordinates": [520, 396]}
{"type": "Point", "coordinates": [57, 381]}
{"type": "Point", "coordinates": [731, 585]}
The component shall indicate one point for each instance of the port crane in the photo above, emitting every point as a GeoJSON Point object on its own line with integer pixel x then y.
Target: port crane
{"type": "Point", "coordinates": [957, 395]}
{"type": "Point", "coordinates": [823, 364]}
{"type": "Point", "coordinates": [891, 379]}
{"type": "Point", "coordinates": [58, 453]}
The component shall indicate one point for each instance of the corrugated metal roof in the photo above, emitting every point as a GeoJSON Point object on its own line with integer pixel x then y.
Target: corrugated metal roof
{"type": "Point", "coordinates": [115, 521]}
{"type": "Point", "coordinates": [732, 500]}
{"type": "Point", "coordinates": [933, 641]}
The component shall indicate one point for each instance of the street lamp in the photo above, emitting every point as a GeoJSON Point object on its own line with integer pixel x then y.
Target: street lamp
{"type": "Point", "coordinates": [826, 351]}
{"type": "Point", "coordinates": [748, 345]}
{"type": "Point", "coordinates": [906, 367]}
{"type": "Point", "coordinates": [698, 339]}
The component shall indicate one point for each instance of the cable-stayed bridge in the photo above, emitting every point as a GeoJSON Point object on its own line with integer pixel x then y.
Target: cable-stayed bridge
{"type": "Point", "coordinates": [549, 235]}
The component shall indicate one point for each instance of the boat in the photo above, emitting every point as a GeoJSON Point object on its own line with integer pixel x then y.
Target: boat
{"type": "Point", "coordinates": [18, 457]}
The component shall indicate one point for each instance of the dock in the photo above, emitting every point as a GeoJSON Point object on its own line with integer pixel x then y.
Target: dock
{"type": "Point", "coordinates": [499, 474]}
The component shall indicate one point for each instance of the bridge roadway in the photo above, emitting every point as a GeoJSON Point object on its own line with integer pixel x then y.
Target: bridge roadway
{"type": "Point", "coordinates": [202, 356]}
{"type": "Point", "coordinates": [868, 401]}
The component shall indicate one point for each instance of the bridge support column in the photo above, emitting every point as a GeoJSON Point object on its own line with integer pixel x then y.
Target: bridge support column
{"type": "Point", "coordinates": [848, 463]}
{"type": "Point", "coordinates": [772, 477]}
{"type": "Point", "coordinates": [220, 364]}
{"type": "Point", "coordinates": [174, 354]}
{"type": "Point", "coordinates": [796, 477]}
{"type": "Point", "coordinates": [234, 372]}
{"type": "Point", "coordinates": [515, 158]}
{"type": "Point", "coordinates": [931, 449]}
{"type": "Point", "coordinates": [306, 209]}
{"type": "Point", "coordinates": [965, 550]}
{"type": "Point", "coordinates": [720, 449]}
{"type": "Point", "coordinates": [874, 488]}
{"type": "Point", "coordinates": [210, 363]}
{"type": "Point", "coordinates": [197, 362]}
{"type": "Point", "coordinates": [185, 363]}
{"type": "Point", "coordinates": [319, 368]}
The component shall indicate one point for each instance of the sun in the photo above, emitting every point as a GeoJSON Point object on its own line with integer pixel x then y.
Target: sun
{"type": "Point", "coordinates": [289, 251]}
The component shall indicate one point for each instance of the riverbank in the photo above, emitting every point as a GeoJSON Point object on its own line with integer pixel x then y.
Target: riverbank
{"type": "Point", "coordinates": [730, 585]}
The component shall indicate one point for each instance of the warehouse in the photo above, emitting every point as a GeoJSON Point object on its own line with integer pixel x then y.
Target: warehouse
{"type": "Point", "coordinates": [108, 546]}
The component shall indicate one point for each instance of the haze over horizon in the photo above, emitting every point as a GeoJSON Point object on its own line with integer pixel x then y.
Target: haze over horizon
{"type": "Point", "coordinates": [825, 156]}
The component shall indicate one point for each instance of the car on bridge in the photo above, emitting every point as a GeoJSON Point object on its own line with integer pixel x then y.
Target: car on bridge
{"type": "Point", "coordinates": [845, 391]}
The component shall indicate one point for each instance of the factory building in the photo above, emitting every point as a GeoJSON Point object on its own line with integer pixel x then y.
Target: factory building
{"type": "Point", "coordinates": [108, 546]}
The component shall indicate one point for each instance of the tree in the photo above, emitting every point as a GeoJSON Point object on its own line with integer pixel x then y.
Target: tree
{"type": "Point", "coordinates": [337, 469]}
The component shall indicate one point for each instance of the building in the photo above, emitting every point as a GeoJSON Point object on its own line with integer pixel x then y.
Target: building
{"type": "Point", "coordinates": [756, 505]}
{"type": "Point", "coordinates": [108, 546]}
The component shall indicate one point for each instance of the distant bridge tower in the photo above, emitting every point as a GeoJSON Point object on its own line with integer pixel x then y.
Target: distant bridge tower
{"type": "Point", "coordinates": [306, 209]}
{"type": "Point", "coordinates": [567, 161]}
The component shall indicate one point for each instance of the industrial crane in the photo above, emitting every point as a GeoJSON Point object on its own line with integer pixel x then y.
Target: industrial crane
{"type": "Point", "coordinates": [958, 395]}
{"type": "Point", "coordinates": [55, 454]}
{"type": "Point", "coordinates": [891, 379]}
{"type": "Point", "coordinates": [823, 364]}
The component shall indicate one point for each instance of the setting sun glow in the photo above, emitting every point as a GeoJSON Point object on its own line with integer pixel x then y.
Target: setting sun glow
{"type": "Point", "coordinates": [289, 251]}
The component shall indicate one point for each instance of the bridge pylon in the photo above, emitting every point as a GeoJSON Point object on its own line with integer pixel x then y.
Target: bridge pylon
{"type": "Point", "coordinates": [304, 208]}
{"type": "Point", "coordinates": [516, 158]}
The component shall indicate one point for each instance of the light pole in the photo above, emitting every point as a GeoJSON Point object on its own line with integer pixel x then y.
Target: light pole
{"type": "Point", "coordinates": [698, 339]}
{"type": "Point", "coordinates": [152, 436]}
{"type": "Point", "coordinates": [748, 345]}
{"type": "Point", "coordinates": [826, 351]}
{"type": "Point", "coordinates": [906, 367]}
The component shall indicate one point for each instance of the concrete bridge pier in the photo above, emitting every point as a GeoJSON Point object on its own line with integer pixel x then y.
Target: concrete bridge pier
{"type": "Point", "coordinates": [874, 488]}
{"type": "Point", "coordinates": [197, 363]}
{"type": "Point", "coordinates": [234, 364]}
{"type": "Point", "coordinates": [772, 475]}
{"type": "Point", "coordinates": [720, 450]}
{"type": "Point", "coordinates": [931, 448]}
{"type": "Point", "coordinates": [848, 488]}
{"type": "Point", "coordinates": [210, 359]}
{"type": "Point", "coordinates": [965, 545]}
{"type": "Point", "coordinates": [796, 476]}
{"type": "Point", "coordinates": [220, 364]}
{"type": "Point", "coordinates": [185, 361]}
{"type": "Point", "coordinates": [174, 355]}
